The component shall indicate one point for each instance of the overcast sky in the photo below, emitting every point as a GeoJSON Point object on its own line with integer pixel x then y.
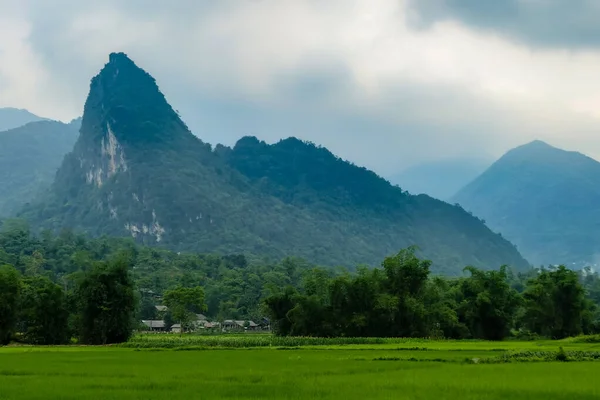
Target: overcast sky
{"type": "Point", "coordinates": [384, 83]}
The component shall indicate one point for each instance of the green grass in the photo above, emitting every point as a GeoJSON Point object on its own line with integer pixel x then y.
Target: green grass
{"type": "Point", "coordinates": [170, 341]}
{"type": "Point", "coordinates": [395, 369]}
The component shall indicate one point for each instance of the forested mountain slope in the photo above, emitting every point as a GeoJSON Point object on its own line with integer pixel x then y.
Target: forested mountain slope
{"type": "Point", "coordinates": [137, 170]}
{"type": "Point", "coordinates": [545, 200]}
{"type": "Point", "coordinates": [29, 158]}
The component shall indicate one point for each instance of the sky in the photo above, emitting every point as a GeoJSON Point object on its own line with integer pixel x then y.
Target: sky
{"type": "Point", "coordinates": [383, 83]}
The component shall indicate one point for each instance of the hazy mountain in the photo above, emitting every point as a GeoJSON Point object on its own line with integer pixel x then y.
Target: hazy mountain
{"type": "Point", "coordinates": [11, 118]}
{"type": "Point", "coordinates": [137, 170]}
{"type": "Point", "coordinates": [440, 179]}
{"type": "Point", "coordinates": [543, 199]}
{"type": "Point", "coordinates": [29, 158]}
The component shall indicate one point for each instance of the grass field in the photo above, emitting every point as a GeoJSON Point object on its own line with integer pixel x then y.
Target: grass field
{"type": "Point", "coordinates": [201, 367]}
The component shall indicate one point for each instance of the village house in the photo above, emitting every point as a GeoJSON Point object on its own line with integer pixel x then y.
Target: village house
{"type": "Point", "coordinates": [239, 325]}
{"type": "Point", "coordinates": [252, 326]}
{"type": "Point", "coordinates": [211, 325]}
{"type": "Point", "coordinates": [201, 322]}
{"type": "Point", "coordinates": [229, 325]}
{"type": "Point", "coordinates": [155, 325]}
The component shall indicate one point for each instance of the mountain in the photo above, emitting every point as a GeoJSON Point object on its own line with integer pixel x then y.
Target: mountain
{"type": "Point", "coordinates": [29, 158]}
{"type": "Point", "coordinates": [137, 170]}
{"type": "Point", "coordinates": [543, 199]}
{"type": "Point", "coordinates": [440, 179]}
{"type": "Point", "coordinates": [11, 118]}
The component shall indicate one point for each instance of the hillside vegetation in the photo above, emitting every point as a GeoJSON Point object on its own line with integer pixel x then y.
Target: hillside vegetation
{"type": "Point", "coordinates": [137, 170]}
{"type": "Point", "coordinates": [80, 281]}
{"type": "Point", "coordinates": [543, 199]}
{"type": "Point", "coordinates": [29, 158]}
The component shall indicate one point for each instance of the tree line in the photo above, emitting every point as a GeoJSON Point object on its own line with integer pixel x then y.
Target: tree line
{"type": "Point", "coordinates": [101, 308]}
{"type": "Point", "coordinates": [401, 299]}
{"type": "Point", "coordinates": [98, 310]}
{"type": "Point", "coordinates": [46, 282]}
{"type": "Point", "coordinates": [56, 288]}
{"type": "Point", "coordinates": [234, 285]}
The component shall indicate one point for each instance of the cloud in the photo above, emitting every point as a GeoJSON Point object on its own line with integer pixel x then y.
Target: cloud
{"type": "Point", "coordinates": [355, 76]}
{"type": "Point", "coordinates": [537, 23]}
{"type": "Point", "coordinates": [21, 77]}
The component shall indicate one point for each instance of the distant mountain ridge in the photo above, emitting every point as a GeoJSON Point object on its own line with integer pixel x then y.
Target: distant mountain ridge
{"type": "Point", "coordinates": [11, 118]}
{"type": "Point", "coordinates": [29, 158]}
{"type": "Point", "coordinates": [545, 200]}
{"type": "Point", "coordinates": [440, 179]}
{"type": "Point", "coordinates": [137, 170]}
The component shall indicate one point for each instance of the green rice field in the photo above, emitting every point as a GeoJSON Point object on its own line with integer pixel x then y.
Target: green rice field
{"type": "Point", "coordinates": [264, 367]}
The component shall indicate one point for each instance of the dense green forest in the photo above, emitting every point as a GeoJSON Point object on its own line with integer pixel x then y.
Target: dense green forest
{"type": "Point", "coordinates": [57, 287]}
{"type": "Point", "coordinates": [234, 284]}
{"type": "Point", "coordinates": [136, 170]}
{"type": "Point", "coordinates": [401, 299]}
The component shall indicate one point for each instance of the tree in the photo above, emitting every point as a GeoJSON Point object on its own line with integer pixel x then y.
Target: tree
{"type": "Point", "coordinates": [278, 306]}
{"type": "Point", "coordinates": [487, 303]}
{"type": "Point", "coordinates": [184, 303]}
{"type": "Point", "coordinates": [440, 303]}
{"type": "Point", "coordinates": [106, 302]}
{"type": "Point", "coordinates": [555, 304]}
{"type": "Point", "coordinates": [43, 316]}
{"type": "Point", "coordinates": [355, 303]}
{"type": "Point", "coordinates": [407, 280]}
{"type": "Point", "coordinates": [10, 288]}
{"type": "Point", "coordinates": [169, 320]}
{"type": "Point", "coordinates": [310, 317]}
{"type": "Point", "coordinates": [33, 264]}
{"type": "Point", "coordinates": [147, 308]}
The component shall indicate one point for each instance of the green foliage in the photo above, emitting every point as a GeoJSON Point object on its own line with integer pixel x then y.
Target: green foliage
{"type": "Point", "coordinates": [184, 303]}
{"type": "Point", "coordinates": [94, 279]}
{"type": "Point", "coordinates": [156, 341]}
{"type": "Point", "coordinates": [542, 356]}
{"type": "Point", "coordinates": [401, 300]}
{"type": "Point", "coordinates": [147, 309]}
{"type": "Point", "coordinates": [556, 305]}
{"type": "Point", "coordinates": [398, 300]}
{"type": "Point", "coordinates": [487, 303]}
{"type": "Point", "coordinates": [278, 306]}
{"type": "Point", "coordinates": [586, 339]}
{"type": "Point", "coordinates": [406, 281]}
{"type": "Point", "coordinates": [105, 298]}
{"type": "Point", "coordinates": [234, 286]}
{"type": "Point", "coordinates": [10, 287]}
{"type": "Point", "coordinates": [43, 315]}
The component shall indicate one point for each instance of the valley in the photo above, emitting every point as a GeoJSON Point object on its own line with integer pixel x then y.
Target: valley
{"type": "Point", "coordinates": [299, 200]}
